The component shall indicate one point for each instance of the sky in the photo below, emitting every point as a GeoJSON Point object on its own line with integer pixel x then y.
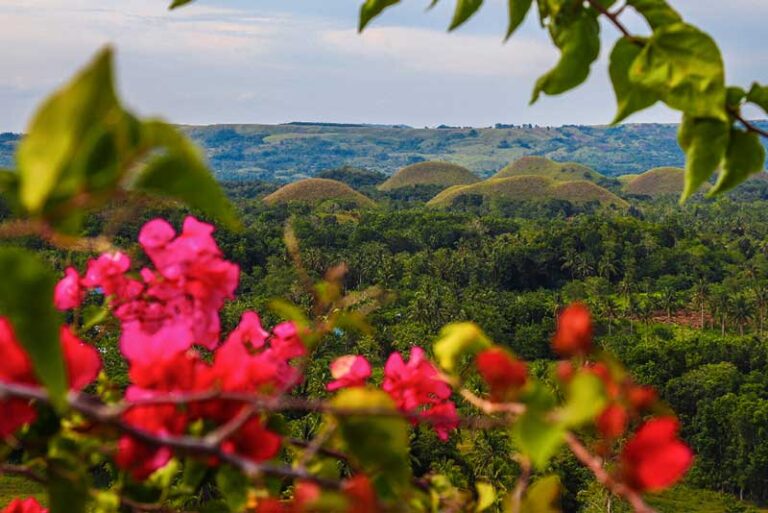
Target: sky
{"type": "Point", "coordinates": [276, 61]}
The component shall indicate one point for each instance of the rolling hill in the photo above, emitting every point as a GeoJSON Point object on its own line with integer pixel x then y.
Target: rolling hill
{"type": "Point", "coordinates": [530, 188]}
{"type": "Point", "coordinates": [317, 190]}
{"type": "Point", "coordinates": [542, 166]}
{"type": "Point", "coordinates": [429, 173]}
{"type": "Point", "coordinates": [660, 181]}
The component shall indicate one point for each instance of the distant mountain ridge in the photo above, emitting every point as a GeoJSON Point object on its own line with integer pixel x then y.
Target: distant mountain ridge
{"type": "Point", "coordinates": [291, 152]}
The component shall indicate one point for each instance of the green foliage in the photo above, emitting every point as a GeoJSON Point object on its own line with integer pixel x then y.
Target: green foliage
{"type": "Point", "coordinates": [744, 157]}
{"type": "Point", "coordinates": [705, 141]}
{"type": "Point", "coordinates": [630, 97]}
{"type": "Point", "coordinates": [26, 299]}
{"type": "Point", "coordinates": [372, 8]}
{"type": "Point", "coordinates": [758, 95]}
{"type": "Point", "coordinates": [459, 340]}
{"type": "Point", "coordinates": [518, 9]}
{"type": "Point", "coordinates": [464, 10]}
{"type": "Point", "coordinates": [542, 496]}
{"type": "Point", "coordinates": [585, 399]}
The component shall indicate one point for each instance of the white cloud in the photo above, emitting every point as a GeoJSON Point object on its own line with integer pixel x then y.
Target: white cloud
{"type": "Point", "coordinates": [434, 51]}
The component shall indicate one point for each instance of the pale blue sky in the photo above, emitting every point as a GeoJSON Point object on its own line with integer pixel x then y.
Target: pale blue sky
{"type": "Point", "coordinates": [273, 61]}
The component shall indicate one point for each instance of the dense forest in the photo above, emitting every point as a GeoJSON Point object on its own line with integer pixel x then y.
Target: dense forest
{"type": "Point", "coordinates": [680, 295]}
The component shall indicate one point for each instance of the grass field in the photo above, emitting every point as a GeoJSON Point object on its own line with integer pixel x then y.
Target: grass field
{"type": "Point", "coordinates": [429, 173]}
{"type": "Point", "coordinates": [317, 190]}
{"type": "Point", "coordinates": [541, 166]}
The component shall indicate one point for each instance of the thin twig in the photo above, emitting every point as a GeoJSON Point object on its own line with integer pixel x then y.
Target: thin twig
{"type": "Point", "coordinates": [614, 18]}
{"type": "Point", "coordinates": [747, 124]}
{"type": "Point", "coordinates": [516, 499]}
{"type": "Point", "coordinates": [595, 465]}
{"type": "Point", "coordinates": [23, 471]}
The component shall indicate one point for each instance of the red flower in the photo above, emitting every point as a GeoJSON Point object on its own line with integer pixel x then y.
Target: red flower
{"type": "Point", "coordinates": [360, 494]}
{"type": "Point", "coordinates": [28, 505]}
{"type": "Point", "coordinates": [15, 413]}
{"type": "Point", "coordinates": [253, 441]}
{"type": "Point", "coordinates": [140, 459]}
{"type": "Point", "coordinates": [613, 420]}
{"type": "Point", "coordinates": [642, 397]}
{"type": "Point", "coordinates": [82, 361]}
{"type": "Point", "coordinates": [349, 371]}
{"type": "Point", "coordinates": [68, 293]}
{"type": "Point", "coordinates": [655, 459]}
{"type": "Point", "coordinates": [574, 331]}
{"type": "Point", "coordinates": [503, 372]}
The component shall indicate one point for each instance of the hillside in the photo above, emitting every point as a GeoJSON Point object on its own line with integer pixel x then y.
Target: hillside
{"type": "Point", "coordinates": [317, 190]}
{"type": "Point", "coordinates": [661, 181]}
{"type": "Point", "coordinates": [430, 173]}
{"type": "Point", "coordinates": [530, 188]}
{"type": "Point", "coordinates": [542, 166]}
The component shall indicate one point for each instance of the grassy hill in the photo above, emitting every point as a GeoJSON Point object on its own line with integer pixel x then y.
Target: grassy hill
{"type": "Point", "coordinates": [661, 181]}
{"type": "Point", "coordinates": [317, 190]}
{"type": "Point", "coordinates": [430, 173]}
{"type": "Point", "coordinates": [542, 166]}
{"type": "Point", "coordinates": [530, 188]}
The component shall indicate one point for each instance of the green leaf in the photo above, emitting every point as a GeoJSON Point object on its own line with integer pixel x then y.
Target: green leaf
{"type": "Point", "coordinates": [538, 437]}
{"type": "Point", "coordinates": [181, 174]}
{"type": "Point", "coordinates": [457, 340]}
{"type": "Point", "coordinates": [464, 10]}
{"type": "Point", "coordinates": [579, 44]}
{"type": "Point", "coordinates": [704, 142]}
{"type": "Point", "coordinates": [543, 496]}
{"type": "Point", "coordinates": [61, 126]}
{"type": "Point", "coordinates": [585, 399]}
{"type": "Point", "coordinates": [683, 67]}
{"type": "Point", "coordinates": [377, 444]}
{"type": "Point", "coordinates": [518, 9]}
{"type": "Point", "coordinates": [233, 486]}
{"type": "Point", "coordinates": [486, 496]}
{"type": "Point", "coordinates": [9, 187]}
{"type": "Point", "coordinates": [26, 299]}
{"type": "Point", "coordinates": [372, 8]}
{"type": "Point", "coordinates": [745, 156]}
{"type": "Point", "coordinates": [67, 484]}
{"type": "Point", "coordinates": [630, 97]}
{"type": "Point", "coordinates": [657, 13]}
{"type": "Point", "coordinates": [179, 3]}
{"type": "Point", "coordinates": [734, 95]}
{"type": "Point", "coordinates": [758, 94]}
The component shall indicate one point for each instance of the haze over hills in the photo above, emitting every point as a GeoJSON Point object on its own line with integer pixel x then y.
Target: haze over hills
{"type": "Point", "coordinates": [290, 152]}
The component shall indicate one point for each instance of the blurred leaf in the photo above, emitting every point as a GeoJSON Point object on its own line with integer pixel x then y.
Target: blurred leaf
{"type": "Point", "coordinates": [67, 482]}
{"type": "Point", "coordinates": [61, 127]}
{"type": "Point", "coordinates": [585, 399]}
{"type": "Point", "coordinates": [758, 94]}
{"type": "Point", "coordinates": [630, 97]}
{"type": "Point", "coordinates": [289, 311]}
{"type": "Point", "coordinates": [538, 437]}
{"type": "Point", "coordinates": [26, 299]}
{"type": "Point", "coordinates": [658, 13]}
{"type": "Point", "coordinates": [734, 96]}
{"type": "Point", "coordinates": [704, 142]}
{"type": "Point", "coordinates": [182, 174]}
{"type": "Point", "coordinates": [377, 444]}
{"type": "Point", "coordinates": [683, 66]}
{"type": "Point", "coordinates": [105, 501]}
{"type": "Point", "coordinates": [517, 12]}
{"type": "Point", "coordinates": [93, 315]}
{"type": "Point", "coordinates": [579, 44]}
{"type": "Point", "coordinates": [179, 3]}
{"type": "Point", "coordinates": [457, 340]}
{"type": "Point", "coordinates": [486, 496]}
{"type": "Point", "coordinates": [464, 10]}
{"type": "Point", "coordinates": [233, 486]}
{"type": "Point", "coordinates": [543, 496]}
{"type": "Point", "coordinates": [371, 9]}
{"type": "Point", "coordinates": [745, 156]}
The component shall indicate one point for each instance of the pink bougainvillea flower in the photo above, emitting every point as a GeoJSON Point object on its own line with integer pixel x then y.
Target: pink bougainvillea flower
{"type": "Point", "coordinates": [15, 413]}
{"type": "Point", "coordinates": [82, 361]}
{"type": "Point", "coordinates": [655, 459]}
{"type": "Point", "coordinates": [574, 331]}
{"type": "Point", "coordinates": [503, 373]}
{"type": "Point", "coordinates": [140, 459]}
{"type": "Point", "coordinates": [107, 272]}
{"type": "Point", "coordinates": [253, 441]}
{"type": "Point", "coordinates": [349, 371]}
{"type": "Point", "coordinates": [612, 421]}
{"type": "Point", "coordinates": [28, 505]}
{"type": "Point", "coordinates": [416, 387]}
{"type": "Point", "coordinates": [68, 293]}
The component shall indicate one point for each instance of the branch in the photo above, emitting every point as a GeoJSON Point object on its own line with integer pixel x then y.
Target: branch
{"type": "Point", "coordinates": [751, 127]}
{"type": "Point", "coordinates": [21, 470]}
{"type": "Point", "coordinates": [614, 19]}
{"type": "Point", "coordinates": [595, 465]}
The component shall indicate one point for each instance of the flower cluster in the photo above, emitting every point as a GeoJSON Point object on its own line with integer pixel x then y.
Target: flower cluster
{"type": "Point", "coordinates": [29, 505]}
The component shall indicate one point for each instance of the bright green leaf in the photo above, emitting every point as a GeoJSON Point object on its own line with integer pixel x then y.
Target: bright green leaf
{"type": "Point", "coordinates": [179, 3]}
{"type": "Point", "coordinates": [704, 142]}
{"type": "Point", "coordinates": [579, 44]}
{"type": "Point", "coordinates": [233, 486]}
{"type": "Point", "coordinates": [585, 399]}
{"type": "Point", "coordinates": [745, 156]}
{"type": "Point", "coordinates": [60, 127]}
{"type": "Point", "coordinates": [758, 94]}
{"type": "Point", "coordinates": [518, 9]}
{"type": "Point", "coordinates": [630, 97]}
{"type": "Point", "coordinates": [538, 437]}
{"type": "Point", "coordinates": [181, 174]}
{"type": "Point", "coordinates": [457, 340]}
{"type": "Point", "coordinates": [26, 299]}
{"type": "Point", "coordinates": [486, 496]}
{"type": "Point", "coordinates": [543, 496]}
{"type": "Point", "coordinates": [683, 67]}
{"type": "Point", "coordinates": [734, 95]}
{"type": "Point", "coordinates": [657, 13]}
{"type": "Point", "coordinates": [372, 8]}
{"type": "Point", "coordinates": [377, 444]}
{"type": "Point", "coordinates": [464, 10]}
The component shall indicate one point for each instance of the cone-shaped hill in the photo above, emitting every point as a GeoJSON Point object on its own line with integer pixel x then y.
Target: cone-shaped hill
{"type": "Point", "coordinates": [317, 190]}
{"type": "Point", "coordinates": [531, 188]}
{"type": "Point", "coordinates": [430, 173]}
{"type": "Point", "coordinates": [660, 181]}
{"type": "Point", "coordinates": [542, 166]}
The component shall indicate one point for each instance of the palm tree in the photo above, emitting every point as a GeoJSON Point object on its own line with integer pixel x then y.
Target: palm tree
{"type": "Point", "coordinates": [741, 311]}
{"type": "Point", "coordinates": [668, 301]}
{"type": "Point", "coordinates": [722, 305]}
{"type": "Point", "coordinates": [700, 298]}
{"type": "Point", "coordinates": [760, 295]}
